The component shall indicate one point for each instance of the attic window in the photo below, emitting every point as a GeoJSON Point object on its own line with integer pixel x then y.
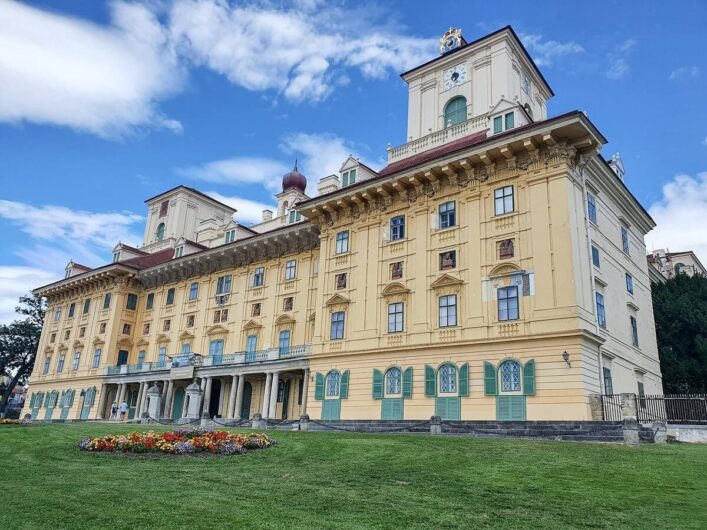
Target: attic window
{"type": "Point", "coordinates": [116, 257]}
{"type": "Point", "coordinates": [503, 123]}
{"type": "Point", "coordinates": [230, 236]}
{"type": "Point", "coordinates": [179, 251]}
{"type": "Point", "coordinates": [296, 216]}
{"type": "Point", "coordinates": [348, 177]}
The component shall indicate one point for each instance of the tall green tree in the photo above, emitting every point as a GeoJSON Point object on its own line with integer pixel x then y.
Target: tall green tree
{"type": "Point", "coordinates": [680, 309]}
{"type": "Point", "coordinates": [18, 344]}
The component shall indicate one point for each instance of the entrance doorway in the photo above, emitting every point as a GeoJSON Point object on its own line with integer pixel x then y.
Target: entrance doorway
{"type": "Point", "coordinates": [214, 398]}
{"type": "Point", "coordinates": [178, 405]}
{"type": "Point", "coordinates": [247, 395]}
{"type": "Point", "coordinates": [286, 399]}
{"type": "Point", "coordinates": [132, 403]}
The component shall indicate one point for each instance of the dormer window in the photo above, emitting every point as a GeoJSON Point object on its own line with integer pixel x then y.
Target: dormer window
{"type": "Point", "coordinates": [160, 232]}
{"type": "Point", "coordinates": [179, 251]}
{"type": "Point", "coordinates": [455, 111]}
{"type": "Point", "coordinates": [116, 257]}
{"type": "Point", "coordinates": [230, 236]}
{"type": "Point", "coordinates": [503, 123]}
{"type": "Point", "coordinates": [348, 177]}
{"type": "Point", "coordinates": [295, 216]}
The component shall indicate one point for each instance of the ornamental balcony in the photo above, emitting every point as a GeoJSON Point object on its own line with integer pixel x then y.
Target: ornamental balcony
{"type": "Point", "coordinates": [204, 361]}
{"type": "Point", "coordinates": [436, 139]}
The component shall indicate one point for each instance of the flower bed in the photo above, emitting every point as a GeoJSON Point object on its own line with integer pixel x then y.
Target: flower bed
{"type": "Point", "coordinates": [179, 442]}
{"type": "Point", "coordinates": [9, 421]}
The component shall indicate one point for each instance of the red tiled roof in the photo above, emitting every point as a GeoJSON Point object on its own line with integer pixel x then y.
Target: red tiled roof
{"type": "Point", "coordinates": [431, 154]}
{"type": "Point", "coordinates": [195, 244]}
{"type": "Point", "coordinates": [149, 260]}
{"type": "Point", "coordinates": [133, 249]}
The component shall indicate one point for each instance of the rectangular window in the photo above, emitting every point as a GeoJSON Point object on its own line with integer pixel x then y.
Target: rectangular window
{"type": "Point", "coordinates": [395, 317]}
{"type": "Point", "coordinates": [448, 260]}
{"type": "Point", "coordinates": [508, 303]}
{"type": "Point", "coordinates": [348, 178]}
{"type": "Point", "coordinates": [67, 334]}
{"type": "Point", "coordinates": [624, 240]}
{"type": "Point", "coordinates": [284, 342]}
{"type": "Point", "coordinates": [601, 312]}
{"type": "Point", "coordinates": [126, 329]}
{"type": "Point", "coordinates": [447, 214]}
{"type": "Point", "coordinates": [102, 327]}
{"type": "Point", "coordinates": [448, 311]}
{"type": "Point", "coordinates": [162, 356]}
{"type": "Point", "coordinates": [509, 120]}
{"type": "Point", "coordinates": [592, 208]}
{"type": "Point", "coordinates": [141, 357]}
{"type": "Point", "coordinates": [116, 257]}
{"type": "Point", "coordinates": [608, 383]}
{"type": "Point", "coordinates": [82, 332]}
{"type": "Point", "coordinates": [259, 277]}
{"type": "Point", "coordinates": [86, 306]}
{"type": "Point", "coordinates": [342, 242]}
{"type": "Point", "coordinates": [52, 338]}
{"type": "Point", "coordinates": [337, 325]}
{"type": "Point", "coordinates": [251, 343]}
{"type": "Point", "coordinates": [150, 301]}
{"type": "Point", "coordinates": [634, 331]}
{"type": "Point", "coordinates": [57, 314]}
{"type": "Point", "coordinates": [190, 321]}
{"type": "Point", "coordinates": [340, 280]}
{"type": "Point", "coordinates": [163, 208]}
{"type": "Point", "coordinates": [106, 301]}
{"type": "Point", "coordinates": [396, 270]}
{"type": "Point", "coordinates": [131, 302]}
{"type": "Point", "coordinates": [47, 363]}
{"type": "Point", "coordinates": [193, 291]}
{"type": "Point", "coordinates": [220, 316]}
{"type": "Point", "coordinates": [290, 269]}
{"type": "Point", "coordinates": [641, 393]}
{"type": "Point", "coordinates": [60, 364]}
{"type": "Point", "coordinates": [216, 347]}
{"type": "Point", "coordinates": [97, 358]}
{"type": "Point", "coordinates": [223, 284]}
{"type": "Point", "coordinates": [595, 257]}
{"type": "Point", "coordinates": [497, 124]}
{"type": "Point", "coordinates": [629, 283]}
{"type": "Point", "coordinates": [178, 251]}
{"type": "Point", "coordinates": [72, 309]}
{"type": "Point", "coordinates": [255, 310]}
{"type": "Point", "coordinates": [288, 303]}
{"type": "Point", "coordinates": [146, 329]}
{"type": "Point", "coordinates": [503, 200]}
{"type": "Point", "coordinates": [506, 249]}
{"type": "Point", "coordinates": [170, 295]}
{"type": "Point", "coordinates": [76, 361]}
{"type": "Point", "coordinates": [166, 325]}
{"type": "Point", "coordinates": [230, 236]}
{"type": "Point", "coordinates": [397, 228]}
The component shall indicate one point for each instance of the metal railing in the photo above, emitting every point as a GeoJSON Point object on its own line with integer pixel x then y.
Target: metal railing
{"type": "Point", "coordinates": [191, 359]}
{"type": "Point", "coordinates": [671, 408]}
{"type": "Point", "coordinates": [611, 407]}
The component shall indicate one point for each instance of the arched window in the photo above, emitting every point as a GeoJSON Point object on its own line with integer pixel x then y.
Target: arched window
{"type": "Point", "coordinates": [679, 268]}
{"type": "Point", "coordinates": [510, 376]}
{"type": "Point", "coordinates": [455, 111]}
{"type": "Point", "coordinates": [160, 232]}
{"type": "Point", "coordinates": [393, 381]}
{"type": "Point", "coordinates": [447, 379]}
{"type": "Point", "coordinates": [332, 383]}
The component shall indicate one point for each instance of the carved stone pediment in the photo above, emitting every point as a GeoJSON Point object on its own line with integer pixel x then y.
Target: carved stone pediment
{"type": "Point", "coordinates": [504, 270]}
{"type": "Point", "coordinates": [184, 335]}
{"type": "Point", "coordinates": [394, 288]}
{"type": "Point", "coordinates": [252, 324]}
{"type": "Point", "coordinates": [98, 341]}
{"type": "Point", "coordinates": [162, 338]}
{"type": "Point", "coordinates": [446, 280]}
{"type": "Point", "coordinates": [142, 342]}
{"type": "Point", "coordinates": [216, 330]}
{"type": "Point", "coordinates": [284, 319]}
{"type": "Point", "coordinates": [125, 342]}
{"type": "Point", "coordinates": [78, 344]}
{"type": "Point", "coordinates": [337, 299]}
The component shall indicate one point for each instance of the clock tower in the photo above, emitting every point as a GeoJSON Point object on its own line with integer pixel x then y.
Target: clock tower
{"type": "Point", "coordinates": [469, 81]}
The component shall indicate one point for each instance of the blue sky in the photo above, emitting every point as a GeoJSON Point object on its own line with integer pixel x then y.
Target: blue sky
{"type": "Point", "coordinates": [103, 105]}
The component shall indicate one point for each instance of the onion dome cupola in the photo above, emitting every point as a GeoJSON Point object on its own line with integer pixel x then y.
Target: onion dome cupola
{"type": "Point", "coordinates": [294, 180]}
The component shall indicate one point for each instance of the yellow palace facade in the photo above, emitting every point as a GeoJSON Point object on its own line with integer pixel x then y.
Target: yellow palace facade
{"type": "Point", "coordinates": [494, 269]}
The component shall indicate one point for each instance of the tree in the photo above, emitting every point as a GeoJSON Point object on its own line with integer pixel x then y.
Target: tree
{"type": "Point", "coordinates": [680, 309]}
{"type": "Point", "coordinates": [18, 344]}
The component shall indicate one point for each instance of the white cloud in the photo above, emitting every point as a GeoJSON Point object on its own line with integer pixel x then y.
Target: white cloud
{"type": "Point", "coordinates": [18, 281]}
{"type": "Point", "coordinates": [298, 53]}
{"type": "Point", "coordinates": [239, 170]}
{"type": "Point", "coordinates": [545, 53]}
{"type": "Point", "coordinates": [704, 142]}
{"type": "Point", "coordinates": [618, 60]}
{"type": "Point", "coordinates": [64, 71]}
{"type": "Point", "coordinates": [684, 72]}
{"type": "Point", "coordinates": [59, 234]}
{"type": "Point", "coordinates": [680, 215]}
{"type": "Point", "coordinates": [247, 211]}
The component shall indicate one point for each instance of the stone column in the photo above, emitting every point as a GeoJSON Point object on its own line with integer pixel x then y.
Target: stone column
{"type": "Point", "coordinates": [167, 413]}
{"type": "Point", "coordinates": [239, 398]}
{"type": "Point", "coordinates": [101, 403]}
{"type": "Point", "coordinates": [184, 405]}
{"type": "Point", "coordinates": [266, 395]}
{"type": "Point", "coordinates": [274, 385]}
{"type": "Point", "coordinates": [232, 397]}
{"type": "Point", "coordinates": [121, 393]}
{"type": "Point", "coordinates": [138, 405]}
{"type": "Point", "coordinates": [143, 402]}
{"type": "Point", "coordinates": [207, 397]}
{"type": "Point", "coordinates": [630, 417]}
{"type": "Point", "coordinates": [221, 401]}
{"type": "Point", "coordinates": [305, 391]}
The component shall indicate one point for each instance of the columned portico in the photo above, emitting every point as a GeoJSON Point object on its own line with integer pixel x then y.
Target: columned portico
{"type": "Point", "coordinates": [274, 385]}
{"type": "Point", "coordinates": [266, 395]}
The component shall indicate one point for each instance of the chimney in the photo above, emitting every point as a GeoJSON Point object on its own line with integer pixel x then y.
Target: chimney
{"type": "Point", "coordinates": [267, 215]}
{"type": "Point", "coordinates": [328, 184]}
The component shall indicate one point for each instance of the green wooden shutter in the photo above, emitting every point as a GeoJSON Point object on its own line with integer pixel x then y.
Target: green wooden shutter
{"type": "Point", "coordinates": [430, 382]}
{"type": "Point", "coordinates": [464, 380]}
{"type": "Point", "coordinates": [377, 384]}
{"type": "Point", "coordinates": [407, 383]}
{"type": "Point", "coordinates": [344, 388]}
{"type": "Point", "coordinates": [529, 378]}
{"type": "Point", "coordinates": [490, 383]}
{"type": "Point", "coordinates": [319, 387]}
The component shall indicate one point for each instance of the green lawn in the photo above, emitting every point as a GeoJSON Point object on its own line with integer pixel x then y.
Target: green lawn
{"type": "Point", "coordinates": [327, 480]}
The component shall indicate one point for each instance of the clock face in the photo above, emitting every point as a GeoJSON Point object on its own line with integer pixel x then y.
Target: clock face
{"type": "Point", "coordinates": [454, 76]}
